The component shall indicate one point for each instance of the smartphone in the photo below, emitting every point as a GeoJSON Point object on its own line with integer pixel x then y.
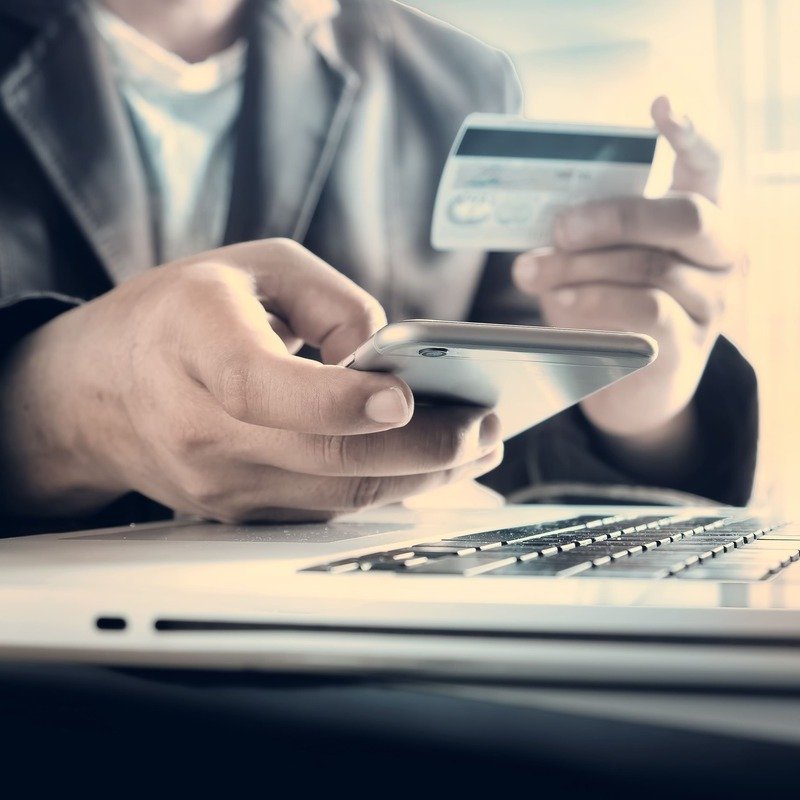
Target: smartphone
{"type": "Point", "coordinates": [526, 373]}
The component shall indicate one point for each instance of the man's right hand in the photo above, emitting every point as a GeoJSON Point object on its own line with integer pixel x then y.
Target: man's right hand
{"type": "Point", "coordinates": [176, 385]}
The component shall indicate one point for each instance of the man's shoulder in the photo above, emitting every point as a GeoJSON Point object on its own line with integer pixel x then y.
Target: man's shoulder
{"type": "Point", "coordinates": [422, 43]}
{"type": "Point", "coordinates": [412, 25]}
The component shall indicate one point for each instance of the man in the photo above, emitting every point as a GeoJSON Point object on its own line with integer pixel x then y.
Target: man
{"type": "Point", "coordinates": [175, 389]}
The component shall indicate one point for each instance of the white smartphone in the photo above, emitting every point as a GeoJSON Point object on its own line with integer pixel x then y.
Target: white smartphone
{"type": "Point", "coordinates": [525, 373]}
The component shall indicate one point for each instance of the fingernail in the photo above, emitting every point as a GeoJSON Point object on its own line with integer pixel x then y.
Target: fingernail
{"type": "Point", "coordinates": [490, 431]}
{"type": "Point", "coordinates": [571, 229]}
{"type": "Point", "coordinates": [566, 297]}
{"type": "Point", "coordinates": [527, 268]}
{"type": "Point", "coordinates": [388, 406]}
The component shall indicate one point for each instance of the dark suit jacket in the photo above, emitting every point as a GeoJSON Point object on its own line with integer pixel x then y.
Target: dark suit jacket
{"type": "Point", "coordinates": [343, 133]}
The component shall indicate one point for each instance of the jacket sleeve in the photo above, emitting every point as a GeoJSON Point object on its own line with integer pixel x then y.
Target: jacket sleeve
{"type": "Point", "coordinates": [563, 458]}
{"type": "Point", "coordinates": [24, 313]}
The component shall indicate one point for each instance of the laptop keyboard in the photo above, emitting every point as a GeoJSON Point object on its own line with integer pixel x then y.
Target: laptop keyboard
{"type": "Point", "coordinates": [648, 547]}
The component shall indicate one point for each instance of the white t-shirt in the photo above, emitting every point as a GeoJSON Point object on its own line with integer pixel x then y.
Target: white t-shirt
{"type": "Point", "coordinates": [184, 116]}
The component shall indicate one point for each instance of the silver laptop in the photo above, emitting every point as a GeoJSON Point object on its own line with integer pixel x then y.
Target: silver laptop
{"type": "Point", "coordinates": [642, 595]}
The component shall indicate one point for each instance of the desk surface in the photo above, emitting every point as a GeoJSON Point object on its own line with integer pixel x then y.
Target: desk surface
{"type": "Point", "coordinates": [752, 717]}
{"type": "Point", "coordinates": [327, 730]}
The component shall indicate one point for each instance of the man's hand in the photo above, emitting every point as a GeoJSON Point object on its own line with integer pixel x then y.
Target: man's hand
{"type": "Point", "coordinates": [175, 385]}
{"type": "Point", "coordinates": [656, 266]}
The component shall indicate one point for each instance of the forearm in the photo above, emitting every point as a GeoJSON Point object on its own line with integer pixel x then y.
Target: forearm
{"type": "Point", "coordinates": [47, 465]}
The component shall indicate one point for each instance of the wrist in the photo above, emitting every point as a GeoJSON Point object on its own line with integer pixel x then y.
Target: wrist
{"type": "Point", "coordinates": [51, 440]}
{"type": "Point", "coordinates": [667, 453]}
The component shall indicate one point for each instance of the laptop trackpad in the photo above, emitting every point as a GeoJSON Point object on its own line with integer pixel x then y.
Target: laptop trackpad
{"type": "Point", "coordinates": [212, 532]}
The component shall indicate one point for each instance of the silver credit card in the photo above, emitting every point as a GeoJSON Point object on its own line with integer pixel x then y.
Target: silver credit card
{"type": "Point", "coordinates": [507, 178]}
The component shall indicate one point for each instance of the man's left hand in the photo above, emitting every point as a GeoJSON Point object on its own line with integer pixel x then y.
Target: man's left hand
{"type": "Point", "coordinates": [656, 266]}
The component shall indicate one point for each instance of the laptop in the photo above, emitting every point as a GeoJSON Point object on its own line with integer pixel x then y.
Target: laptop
{"type": "Point", "coordinates": [639, 595]}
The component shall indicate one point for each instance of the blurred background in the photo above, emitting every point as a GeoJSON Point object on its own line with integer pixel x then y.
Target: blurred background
{"type": "Point", "coordinates": [734, 67]}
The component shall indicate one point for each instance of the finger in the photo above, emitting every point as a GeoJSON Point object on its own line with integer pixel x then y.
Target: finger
{"type": "Point", "coordinates": [319, 304]}
{"type": "Point", "coordinates": [698, 165]}
{"type": "Point", "coordinates": [255, 498]}
{"type": "Point", "coordinates": [686, 224]}
{"type": "Point", "coordinates": [699, 291]}
{"type": "Point", "coordinates": [291, 342]}
{"type": "Point", "coordinates": [230, 349]}
{"type": "Point", "coordinates": [613, 308]}
{"type": "Point", "coordinates": [435, 439]}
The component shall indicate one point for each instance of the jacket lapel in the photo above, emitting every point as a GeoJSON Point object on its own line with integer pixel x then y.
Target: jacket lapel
{"type": "Point", "coordinates": [62, 98]}
{"type": "Point", "coordinates": [297, 98]}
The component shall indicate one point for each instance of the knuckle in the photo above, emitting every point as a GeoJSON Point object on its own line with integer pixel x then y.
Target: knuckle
{"type": "Point", "coordinates": [625, 217]}
{"type": "Point", "coordinates": [287, 244]}
{"type": "Point", "coordinates": [447, 442]}
{"type": "Point", "coordinates": [203, 491]}
{"type": "Point", "coordinates": [287, 249]}
{"type": "Point", "coordinates": [322, 407]}
{"type": "Point", "coordinates": [204, 276]}
{"type": "Point", "coordinates": [196, 285]}
{"type": "Point", "coordinates": [190, 440]}
{"type": "Point", "coordinates": [654, 265]}
{"type": "Point", "coordinates": [333, 453]}
{"type": "Point", "coordinates": [240, 393]}
{"type": "Point", "coordinates": [692, 209]}
{"type": "Point", "coordinates": [364, 491]}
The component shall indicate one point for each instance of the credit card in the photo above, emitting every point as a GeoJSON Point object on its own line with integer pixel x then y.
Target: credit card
{"type": "Point", "coordinates": [507, 178]}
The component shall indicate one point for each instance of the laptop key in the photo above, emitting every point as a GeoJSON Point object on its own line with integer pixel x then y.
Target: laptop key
{"type": "Point", "coordinates": [604, 521]}
{"type": "Point", "coordinates": [520, 552]}
{"type": "Point", "coordinates": [638, 538]}
{"type": "Point", "coordinates": [684, 547]}
{"type": "Point", "coordinates": [463, 565]}
{"type": "Point", "coordinates": [744, 525]}
{"type": "Point", "coordinates": [613, 571]}
{"type": "Point", "coordinates": [390, 565]}
{"type": "Point", "coordinates": [769, 545]}
{"type": "Point", "coordinates": [750, 555]}
{"type": "Point", "coordinates": [337, 567]}
{"type": "Point", "coordinates": [510, 535]}
{"type": "Point", "coordinates": [570, 558]}
{"type": "Point", "coordinates": [443, 549]}
{"type": "Point", "coordinates": [741, 573]}
{"type": "Point", "coordinates": [642, 562]}
{"type": "Point", "coordinates": [482, 538]}
{"type": "Point", "coordinates": [603, 549]}
{"type": "Point", "coordinates": [582, 541]}
{"type": "Point", "coordinates": [397, 555]}
{"type": "Point", "coordinates": [547, 567]}
{"type": "Point", "coordinates": [704, 522]}
{"type": "Point", "coordinates": [457, 544]}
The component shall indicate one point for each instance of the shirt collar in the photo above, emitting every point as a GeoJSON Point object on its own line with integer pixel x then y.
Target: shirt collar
{"type": "Point", "coordinates": [311, 13]}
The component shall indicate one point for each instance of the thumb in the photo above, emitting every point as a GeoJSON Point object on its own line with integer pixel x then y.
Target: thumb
{"type": "Point", "coordinates": [698, 165]}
